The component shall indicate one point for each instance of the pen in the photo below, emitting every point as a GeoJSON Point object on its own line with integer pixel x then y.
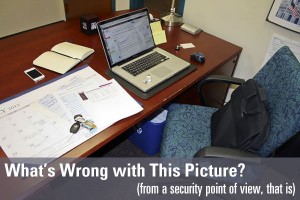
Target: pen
{"type": "Point", "coordinates": [100, 86]}
{"type": "Point", "coordinates": [105, 84]}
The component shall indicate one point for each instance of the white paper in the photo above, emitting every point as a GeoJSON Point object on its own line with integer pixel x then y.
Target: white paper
{"type": "Point", "coordinates": [37, 124]}
{"type": "Point", "coordinates": [187, 45]}
{"type": "Point", "coordinates": [107, 111]}
{"type": "Point", "coordinates": [277, 42]}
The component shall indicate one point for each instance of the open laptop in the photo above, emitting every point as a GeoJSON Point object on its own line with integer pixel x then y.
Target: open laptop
{"type": "Point", "coordinates": [131, 52]}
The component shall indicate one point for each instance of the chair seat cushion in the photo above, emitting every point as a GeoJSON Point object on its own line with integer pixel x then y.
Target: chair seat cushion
{"type": "Point", "coordinates": [186, 131]}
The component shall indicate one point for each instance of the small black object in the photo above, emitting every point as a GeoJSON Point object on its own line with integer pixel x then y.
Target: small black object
{"type": "Point", "coordinates": [88, 24]}
{"type": "Point", "coordinates": [75, 127]}
{"type": "Point", "coordinates": [177, 47]}
{"type": "Point", "coordinates": [76, 117]}
{"type": "Point", "coordinates": [199, 57]}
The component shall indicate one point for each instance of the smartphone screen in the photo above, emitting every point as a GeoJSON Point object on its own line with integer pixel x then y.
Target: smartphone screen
{"type": "Point", "coordinates": [34, 74]}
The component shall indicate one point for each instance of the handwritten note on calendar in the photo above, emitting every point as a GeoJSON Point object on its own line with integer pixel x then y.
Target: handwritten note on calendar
{"type": "Point", "coordinates": [26, 132]}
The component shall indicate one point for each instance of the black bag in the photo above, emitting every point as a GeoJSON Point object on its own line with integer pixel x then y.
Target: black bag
{"type": "Point", "coordinates": [244, 122]}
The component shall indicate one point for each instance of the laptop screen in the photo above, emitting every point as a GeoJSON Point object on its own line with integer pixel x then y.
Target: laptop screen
{"type": "Point", "coordinates": [126, 36]}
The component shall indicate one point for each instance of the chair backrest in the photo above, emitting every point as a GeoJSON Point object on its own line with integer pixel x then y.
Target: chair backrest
{"type": "Point", "coordinates": [280, 77]}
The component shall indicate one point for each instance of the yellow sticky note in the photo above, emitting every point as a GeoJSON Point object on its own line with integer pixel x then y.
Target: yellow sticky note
{"type": "Point", "coordinates": [159, 37]}
{"type": "Point", "coordinates": [155, 26]}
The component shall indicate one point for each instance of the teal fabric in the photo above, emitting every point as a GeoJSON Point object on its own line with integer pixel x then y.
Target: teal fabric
{"type": "Point", "coordinates": [187, 130]}
{"type": "Point", "coordinates": [187, 127]}
{"type": "Point", "coordinates": [280, 77]}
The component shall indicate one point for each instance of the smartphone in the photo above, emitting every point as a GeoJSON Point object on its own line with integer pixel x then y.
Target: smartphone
{"type": "Point", "coordinates": [34, 74]}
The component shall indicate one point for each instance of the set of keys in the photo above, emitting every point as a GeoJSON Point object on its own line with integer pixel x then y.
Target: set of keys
{"type": "Point", "coordinates": [81, 122]}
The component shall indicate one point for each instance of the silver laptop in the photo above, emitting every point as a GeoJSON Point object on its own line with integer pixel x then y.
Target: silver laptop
{"type": "Point", "coordinates": [131, 52]}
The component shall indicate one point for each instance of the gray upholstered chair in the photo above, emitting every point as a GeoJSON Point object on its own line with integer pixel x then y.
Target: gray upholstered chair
{"type": "Point", "coordinates": [187, 128]}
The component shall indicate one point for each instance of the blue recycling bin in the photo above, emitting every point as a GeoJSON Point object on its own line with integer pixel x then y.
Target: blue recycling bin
{"type": "Point", "coordinates": [148, 135]}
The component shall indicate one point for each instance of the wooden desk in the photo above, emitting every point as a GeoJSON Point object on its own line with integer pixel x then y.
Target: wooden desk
{"type": "Point", "coordinates": [18, 52]}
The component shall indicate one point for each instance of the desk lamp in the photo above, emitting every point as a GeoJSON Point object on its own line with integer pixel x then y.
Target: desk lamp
{"type": "Point", "coordinates": [173, 19]}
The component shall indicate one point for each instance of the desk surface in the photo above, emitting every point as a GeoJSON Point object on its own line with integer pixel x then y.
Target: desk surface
{"type": "Point", "coordinates": [18, 52]}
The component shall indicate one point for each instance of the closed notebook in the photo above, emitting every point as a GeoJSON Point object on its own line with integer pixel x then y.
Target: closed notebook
{"type": "Point", "coordinates": [63, 57]}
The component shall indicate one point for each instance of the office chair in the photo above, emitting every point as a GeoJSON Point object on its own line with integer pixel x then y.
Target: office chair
{"type": "Point", "coordinates": [187, 130]}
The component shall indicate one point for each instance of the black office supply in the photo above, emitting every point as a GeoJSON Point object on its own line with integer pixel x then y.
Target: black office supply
{"type": "Point", "coordinates": [88, 24]}
{"type": "Point", "coordinates": [199, 57]}
{"type": "Point", "coordinates": [75, 128]}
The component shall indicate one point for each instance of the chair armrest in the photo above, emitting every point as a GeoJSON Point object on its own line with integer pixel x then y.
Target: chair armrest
{"type": "Point", "coordinates": [216, 78]}
{"type": "Point", "coordinates": [222, 152]}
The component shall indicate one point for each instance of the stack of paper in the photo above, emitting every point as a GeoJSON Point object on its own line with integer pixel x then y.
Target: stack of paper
{"type": "Point", "coordinates": [37, 124]}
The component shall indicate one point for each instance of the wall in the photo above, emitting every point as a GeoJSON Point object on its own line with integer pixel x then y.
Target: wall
{"type": "Point", "coordinates": [122, 4]}
{"type": "Point", "coordinates": [242, 22]}
{"type": "Point", "coordinates": [17, 16]}
{"type": "Point", "coordinates": [77, 8]}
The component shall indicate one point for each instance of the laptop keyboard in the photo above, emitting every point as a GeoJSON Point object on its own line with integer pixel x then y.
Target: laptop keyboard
{"type": "Point", "coordinates": [139, 66]}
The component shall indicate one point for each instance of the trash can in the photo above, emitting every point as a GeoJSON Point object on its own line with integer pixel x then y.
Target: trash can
{"type": "Point", "coordinates": [148, 135]}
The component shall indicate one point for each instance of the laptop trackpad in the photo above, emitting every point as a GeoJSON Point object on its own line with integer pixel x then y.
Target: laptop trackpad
{"type": "Point", "coordinates": [161, 72]}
